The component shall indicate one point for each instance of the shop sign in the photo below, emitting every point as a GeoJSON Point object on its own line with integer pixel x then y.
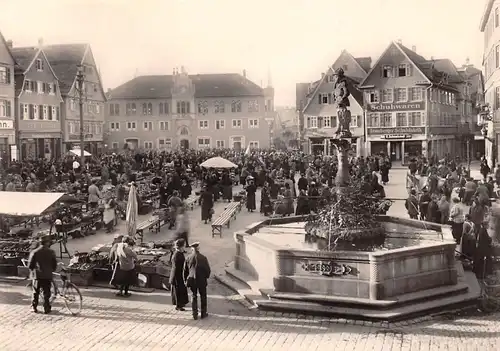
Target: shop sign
{"type": "Point", "coordinates": [77, 136]}
{"type": "Point", "coordinates": [40, 136]}
{"type": "Point", "coordinates": [326, 268]}
{"type": "Point", "coordinates": [397, 106]}
{"type": "Point", "coordinates": [396, 136]}
{"type": "Point", "coordinates": [6, 124]}
{"type": "Point", "coordinates": [396, 131]}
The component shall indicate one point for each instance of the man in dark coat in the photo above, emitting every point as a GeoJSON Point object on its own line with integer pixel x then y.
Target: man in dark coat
{"type": "Point", "coordinates": [196, 274]}
{"type": "Point", "coordinates": [179, 292]}
{"type": "Point", "coordinates": [42, 263]}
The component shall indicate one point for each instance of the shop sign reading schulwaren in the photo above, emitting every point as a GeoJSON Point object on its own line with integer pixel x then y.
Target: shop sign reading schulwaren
{"type": "Point", "coordinates": [397, 106]}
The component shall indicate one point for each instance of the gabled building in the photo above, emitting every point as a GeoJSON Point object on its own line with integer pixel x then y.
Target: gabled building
{"type": "Point", "coordinates": [318, 113]}
{"type": "Point", "coordinates": [38, 100]}
{"type": "Point", "coordinates": [8, 147]}
{"type": "Point", "coordinates": [65, 60]}
{"type": "Point", "coordinates": [190, 111]}
{"type": "Point", "coordinates": [489, 26]}
{"type": "Point", "coordinates": [413, 105]}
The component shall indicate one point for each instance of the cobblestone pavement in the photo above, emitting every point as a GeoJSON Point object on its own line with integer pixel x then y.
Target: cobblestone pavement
{"type": "Point", "coordinates": [147, 321]}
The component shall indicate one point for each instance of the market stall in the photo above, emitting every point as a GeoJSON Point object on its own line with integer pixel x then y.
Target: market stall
{"type": "Point", "coordinates": [16, 244]}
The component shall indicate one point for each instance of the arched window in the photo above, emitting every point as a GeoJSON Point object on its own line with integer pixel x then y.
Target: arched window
{"type": "Point", "coordinates": [184, 131]}
{"type": "Point", "coordinates": [144, 109]}
{"type": "Point", "coordinates": [150, 108]}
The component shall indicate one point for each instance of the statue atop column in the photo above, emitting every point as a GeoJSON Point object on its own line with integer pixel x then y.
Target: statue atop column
{"type": "Point", "coordinates": [341, 98]}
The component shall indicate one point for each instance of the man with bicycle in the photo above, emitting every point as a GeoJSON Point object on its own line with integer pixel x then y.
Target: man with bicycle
{"type": "Point", "coordinates": [42, 264]}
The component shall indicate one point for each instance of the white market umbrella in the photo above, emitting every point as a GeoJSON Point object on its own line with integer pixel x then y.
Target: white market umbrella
{"type": "Point", "coordinates": [77, 152]}
{"type": "Point", "coordinates": [132, 211]}
{"type": "Point", "coordinates": [218, 162]}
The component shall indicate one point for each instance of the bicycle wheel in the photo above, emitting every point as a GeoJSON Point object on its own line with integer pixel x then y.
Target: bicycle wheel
{"type": "Point", "coordinates": [53, 289]}
{"type": "Point", "coordinates": [72, 298]}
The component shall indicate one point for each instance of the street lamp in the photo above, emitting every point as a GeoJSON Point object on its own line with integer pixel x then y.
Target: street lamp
{"type": "Point", "coordinates": [80, 80]}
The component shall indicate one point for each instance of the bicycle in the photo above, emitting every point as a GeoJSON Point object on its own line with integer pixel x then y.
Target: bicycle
{"type": "Point", "coordinates": [69, 292]}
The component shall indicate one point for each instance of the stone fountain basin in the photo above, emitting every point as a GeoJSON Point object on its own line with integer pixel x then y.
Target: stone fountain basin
{"type": "Point", "coordinates": [269, 254]}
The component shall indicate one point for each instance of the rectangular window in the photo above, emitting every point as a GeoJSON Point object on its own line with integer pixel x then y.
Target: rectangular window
{"type": "Point", "coordinates": [415, 119]}
{"type": "Point", "coordinates": [313, 121]}
{"type": "Point", "coordinates": [372, 96]}
{"type": "Point", "coordinates": [254, 144]}
{"type": "Point", "coordinates": [220, 144]}
{"type": "Point", "coordinates": [355, 121]}
{"type": "Point", "coordinates": [114, 145]}
{"type": "Point", "coordinates": [416, 94]}
{"type": "Point", "coordinates": [403, 70]}
{"type": "Point", "coordinates": [373, 120]}
{"type": "Point", "coordinates": [25, 110]}
{"type": "Point", "coordinates": [203, 124]}
{"type": "Point", "coordinates": [387, 95]}
{"type": "Point", "coordinates": [401, 120]}
{"type": "Point", "coordinates": [148, 145]}
{"type": "Point", "coordinates": [253, 123]}
{"type": "Point", "coordinates": [27, 86]}
{"type": "Point", "coordinates": [36, 111]}
{"type": "Point", "coordinates": [386, 119]}
{"type": "Point", "coordinates": [220, 124]}
{"type": "Point", "coordinates": [183, 107]}
{"type": "Point", "coordinates": [164, 125]}
{"type": "Point", "coordinates": [253, 106]}
{"type": "Point", "coordinates": [401, 95]}
{"type": "Point", "coordinates": [236, 123]}
{"type": "Point", "coordinates": [387, 71]}
{"type": "Point", "coordinates": [52, 88]}
{"type": "Point", "coordinates": [165, 143]}
{"type": "Point", "coordinates": [131, 126]}
{"type": "Point", "coordinates": [148, 126]}
{"type": "Point", "coordinates": [114, 126]}
{"type": "Point", "coordinates": [236, 106]}
{"type": "Point", "coordinates": [497, 56]}
{"type": "Point", "coordinates": [5, 108]}
{"type": "Point", "coordinates": [203, 142]}
{"type": "Point", "coordinates": [220, 107]}
{"type": "Point", "coordinates": [39, 65]}
{"type": "Point", "coordinates": [114, 109]}
{"type": "Point", "coordinates": [324, 98]}
{"type": "Point", "coordinates": [4, 75]}
{"type": "Point", "coordinates": [327, 122]}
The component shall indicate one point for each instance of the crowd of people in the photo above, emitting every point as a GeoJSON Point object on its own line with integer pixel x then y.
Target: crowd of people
{"type": "Point", "coordinates": [290, 183]}
{"type": "Point", "coordinates": [444, 192]}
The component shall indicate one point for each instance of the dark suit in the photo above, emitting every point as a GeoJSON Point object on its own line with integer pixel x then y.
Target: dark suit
{"type": "Point", "coordinates": [196, 273]}
{"type": "Point", "coordinates": [42, 262]}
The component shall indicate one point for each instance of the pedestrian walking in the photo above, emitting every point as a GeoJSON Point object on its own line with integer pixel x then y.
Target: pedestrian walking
{"type": "Point", "coordinates": [196, 274]}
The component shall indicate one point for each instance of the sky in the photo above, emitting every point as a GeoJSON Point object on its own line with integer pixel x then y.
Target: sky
{"type": "Point", "coordinates": [294, 40]}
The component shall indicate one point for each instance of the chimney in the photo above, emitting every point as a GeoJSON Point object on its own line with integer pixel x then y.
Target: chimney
{"type": "Point", "coordinates": [40, 42]}
{"type": "Point", "coordinates": [244, 73]}
{"type": "Point", "coordinates": [400, 42]}
{"type": "Point", "coordinates": [414, 48]}
{"type": "Point", "coordinates": [10, 44]}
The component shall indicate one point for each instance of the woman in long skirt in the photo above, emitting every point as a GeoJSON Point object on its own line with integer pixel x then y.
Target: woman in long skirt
{"type": "Point", "coordinates": [251, 190]}
{"type": "Point", "coordinates": [178, 288]}
{"type": "Point", "coordinates": [207, 205]}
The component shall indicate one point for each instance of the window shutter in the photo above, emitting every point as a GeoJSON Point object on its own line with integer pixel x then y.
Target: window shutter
{"type": "Point", "coordinates": [31, 111]}
{"type": "Point", "coordinates": [409, 70]}
{"type": "Point", "coordinates": [8, 108]}
{"type": "Point", "coordinates": [49, 108]}
{"type": "Point", "coordinates": [161, 108]}
{"type": "Point", "coordinates": [21, 106]}
{"type": "Point", "coordinates": [8, 76]}
{"type": "Point", "coordinates": [319, 99]}
{"type": "Point", "coordinates": [330, 98]}
{"type": "Point", "coordinates": [57, 113]}
{"type": "Point", "coordinates": [40, 111]}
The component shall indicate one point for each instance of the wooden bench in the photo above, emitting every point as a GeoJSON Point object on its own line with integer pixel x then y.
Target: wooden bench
{"type": "Point", "coordinates": [153, 224]}
{"type": "Point", "coordinates": [225, 218]}
{"type": "Point", "coordinates": [191, 201]}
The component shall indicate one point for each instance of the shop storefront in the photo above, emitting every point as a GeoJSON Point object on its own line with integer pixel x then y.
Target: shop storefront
{"type": "Point", "coordinates": [8, 150]}
{"type": "Point", "coordinates": [94, 147]}
{"type": "Point", "coordinates": [401, 143]}
{"type": "Point", "coordinates": [36, 146]}
{"type": "Point", "coordinates": [319, 143]}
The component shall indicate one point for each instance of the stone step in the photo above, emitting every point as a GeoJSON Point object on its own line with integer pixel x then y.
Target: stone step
{"type": "Point", "coordinates": [241, 288]}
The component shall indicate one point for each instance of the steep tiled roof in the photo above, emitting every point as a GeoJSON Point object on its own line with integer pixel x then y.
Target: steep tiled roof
{"type": "Point", "coordinates": [206, 85]}
{"type": "Point", "coordinates": [364, 62]}
{"type": "Point", "coordinates": [24, 56]}
{"type": "Point", "coordinates": [64, 59]}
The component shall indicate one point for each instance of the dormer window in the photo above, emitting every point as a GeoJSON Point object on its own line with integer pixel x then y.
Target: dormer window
{"type": "Point", "coordinates": [387, 71]}
{"type": "Point", "coordinates": [372, 96]}
{"type": "Point", "coordinates": [324, 99]}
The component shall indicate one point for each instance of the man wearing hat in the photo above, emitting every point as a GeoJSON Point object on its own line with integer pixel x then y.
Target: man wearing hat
{"type": "Point", "coordinates": [179, 291]}
{"type": "Point", "coordinates": [196, 274]}
{"type": "Point", "coordinates": [42, 263]}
